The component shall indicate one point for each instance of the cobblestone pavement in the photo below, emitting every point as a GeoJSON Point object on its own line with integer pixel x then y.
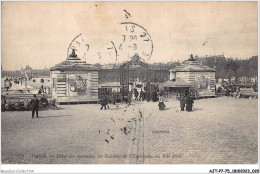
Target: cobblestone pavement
{"type": "Point", "coordinates": [219, 130]}
{"type": "Point", "coordinates": [75, 134]}
{"type": "Point", "coordinates": [221, 133]}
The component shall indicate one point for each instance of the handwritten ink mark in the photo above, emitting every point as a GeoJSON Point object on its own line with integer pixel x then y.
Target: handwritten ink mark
{"type": "Point", "coordinates": [78, 43]}
{"type": "Point", "coordinates": [143, 35]}
{"type": "Point", "coordinates": [127, 14]}
{"type": "Point", "coordinates": [87, 45]}
{"type": "Point", "coordinates": [115, 49]}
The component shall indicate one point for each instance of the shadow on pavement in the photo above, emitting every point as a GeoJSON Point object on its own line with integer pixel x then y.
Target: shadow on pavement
{"type": "Point", "coordinates": [196, 109]}
{"type": "Point", "coordinates": [57, 116]}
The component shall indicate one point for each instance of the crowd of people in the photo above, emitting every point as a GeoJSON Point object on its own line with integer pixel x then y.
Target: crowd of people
{"type": "Point", "coordinates": [141, 96]}
{"type": "Point", "coordinates": [186, 99]}
{"type": "Point", "coordinates": [234, 90]}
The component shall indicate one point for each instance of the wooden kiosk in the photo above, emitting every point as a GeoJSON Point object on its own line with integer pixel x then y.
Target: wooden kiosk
{"type": "Point", "coordinates": [200, 77]}
{"type": "Point", "coordinates": [74, 81]}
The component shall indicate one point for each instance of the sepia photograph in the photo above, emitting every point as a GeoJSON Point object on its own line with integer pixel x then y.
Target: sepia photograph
{"type": "Point", "coordinates": [128, 82]}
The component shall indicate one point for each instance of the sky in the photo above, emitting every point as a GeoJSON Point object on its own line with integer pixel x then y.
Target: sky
{"type": "Point", "coordinates": [40, 34]}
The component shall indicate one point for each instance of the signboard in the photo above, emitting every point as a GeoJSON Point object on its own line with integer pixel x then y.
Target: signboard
{"type": "Point", "coordinates": [202, 81]}
{"type": "Point", "coordinates": [203, 84]}
{"type": "Point", "coordinates": [79, 84]}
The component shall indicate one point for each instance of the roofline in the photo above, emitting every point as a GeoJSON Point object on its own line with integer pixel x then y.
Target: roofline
{"type": "Point", "coordinates": [192, 70]}
{"type": "Point", "coordinates": [73, 69]}
{"type": "Point", "coordinates": [178, 86]}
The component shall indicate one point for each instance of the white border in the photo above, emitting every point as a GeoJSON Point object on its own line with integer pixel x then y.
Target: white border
{"type": "Point", "coordinates": [98, 168]}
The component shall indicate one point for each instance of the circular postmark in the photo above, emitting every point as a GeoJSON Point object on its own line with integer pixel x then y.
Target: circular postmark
{"type": "Point", "coordinates": [80, 45]}
{"type": "Point", "coordinates": [135, 40]}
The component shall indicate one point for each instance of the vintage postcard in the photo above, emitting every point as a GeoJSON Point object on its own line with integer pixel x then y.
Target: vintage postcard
{"type": "Point", "coordinates": [129, 83]}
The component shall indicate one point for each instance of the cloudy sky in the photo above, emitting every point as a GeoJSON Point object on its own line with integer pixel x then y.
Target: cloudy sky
{"type": "Point", "coordinates": [39, 33]}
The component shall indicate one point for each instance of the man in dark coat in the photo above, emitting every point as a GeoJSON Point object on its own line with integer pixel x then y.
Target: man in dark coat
{"type": "Point", "coordinates": [103, 102]}
{"type": "Point", "coordinates": [182, 102]}
{"type": "Point", "coordinates": [136, 94]}
{"type": "Point", "coordinates": [141, 96]}
{"type": "Point", "coordinates": [154, 96]}
{"type": "Point", "coordinates": [147, 95]}
{"type": "Point", "coordinates": [35, 105]}
{"type": "Point", "coordinates": [189, 102]}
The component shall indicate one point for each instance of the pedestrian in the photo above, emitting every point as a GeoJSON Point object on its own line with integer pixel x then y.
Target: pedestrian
{"type": "Point", "coordinates": [151, 95]}
{"type": "Point", "coordinates": [44, 101]}
{"type": "Point", "coordinates": [129, 97]}
{"type": "Point", "coordinates": [141, 96]}
{"type": "Point", "coordinates": [189, 103]}
{"type": "Point", "coordinates": [35, 105]}
{"type": "Point", "coordinates": [154, 96]}
{"type": "Point", "coordinates": [161, 102]}
{"type": "Point", "coordinates": [40, 91]}
{"type": "Point", "coordinates": [103, 102]}
{"type": "Point", "coordinates": [136, 94]}
{"type": "Point", "coordinates": [182, 102]}
{"type": "Point", "coordinates": [107, 101]}
{"type": "Point", "coordinates": [114, 98]}
{"type": "Point", "coordinates": [147, 94]}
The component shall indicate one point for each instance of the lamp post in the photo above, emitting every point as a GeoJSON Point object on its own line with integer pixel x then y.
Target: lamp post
{"type": "Point", "coordinates": [7, 85]}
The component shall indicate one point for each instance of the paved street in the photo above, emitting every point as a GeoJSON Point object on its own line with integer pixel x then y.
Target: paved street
{"type": "Point", "coordinates": [219, 130]}
{"type": "Point", "coordinates": [221, 133]}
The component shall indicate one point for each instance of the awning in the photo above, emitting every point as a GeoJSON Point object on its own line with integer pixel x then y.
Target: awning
{"type": "Point", "coordinates": [109, 85]}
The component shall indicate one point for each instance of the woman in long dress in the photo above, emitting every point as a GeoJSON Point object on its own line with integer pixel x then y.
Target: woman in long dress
{"type": "Point", "coordinates": [182, 102]}
{"type": "Point", "coordinates": [189, 102]}
{"type": "Point", "coordinates": [161, 102]}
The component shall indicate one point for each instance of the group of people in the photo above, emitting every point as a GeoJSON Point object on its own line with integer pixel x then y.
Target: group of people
{"type": "Point", "coordinates": [43, 90]}
{"type": "Point", "coordinates": [104, 102]}
{"type": "Point", "coordinates": [234, 90]}
{"type": "Point", "coordinates": [185, 100]}
{"type": "Point", "coordinates": [231, 91]}
{"type": "Point", "coordinates": [142, 95]}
